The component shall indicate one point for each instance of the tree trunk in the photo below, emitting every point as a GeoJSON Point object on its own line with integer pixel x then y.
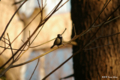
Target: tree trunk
{"type": "Point", "coordinates": [96, 61]}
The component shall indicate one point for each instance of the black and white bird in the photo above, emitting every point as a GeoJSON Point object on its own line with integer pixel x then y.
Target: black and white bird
{"type": "Point", "coordinates": [58, 40]}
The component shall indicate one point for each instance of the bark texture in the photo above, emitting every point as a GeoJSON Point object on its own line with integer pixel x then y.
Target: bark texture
{"type": "Point", "coordinates": [96, 62]}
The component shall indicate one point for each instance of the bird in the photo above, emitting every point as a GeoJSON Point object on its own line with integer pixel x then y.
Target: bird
{"type": "Point", "coordinates": [58, 40]}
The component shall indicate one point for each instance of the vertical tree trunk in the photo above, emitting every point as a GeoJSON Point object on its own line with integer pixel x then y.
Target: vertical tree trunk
{"type": "Point", "coordinates": [96, 63]}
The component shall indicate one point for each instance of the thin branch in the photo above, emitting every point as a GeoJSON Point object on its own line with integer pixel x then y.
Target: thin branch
{"type": "Point", "coordinates": [105, 5]}
{"type": "Point", "coordinates": [100, 46]}
{"type": "Point", "coordinates": [74, 28]}
{"type": "Point", "coordinates": [34, 69]}
{"type": "Point", "coordinates": [18, 2]}
{"type": "Point", "coordinates": [63, 31]}
{"type": "Point", "coordinates": [11, 20]}
{"type": "Point", "coordinates": [41, 9]}
{"type": "Point", "coordinates": [9, 23]}
{"type": "Point", "coordinates": [9, 48]}
{"type": "Point", "coordinates": [3, 72]}
{"type": "Point", "coordinates": [20, 54]}
{"type": "Point", "coordinates": [10, 45]}
{"type": "Point", "coordinates": [22, 30]}
{"type": "Point", "coordinates": [62, 5]}
{"type": "Point", "coordinates": [31, 35]}
{"type": "Point", "coordinates": [47, 41]}
{"type": "Point", "coordinates": [102, 37]}
{"type": "Point", "coordinates": [106, 22]}
{"type": "Point", "coordinates": [4, 38]}
{"type": "Point", "coordinates": [43, 43]}
{"type": "Point", "coordinates": [100, 27]}
{"type": "Point", "coordinates": [53, 10]}
{"type": "Point", "coordinates": [38, 56]}
{"type": "Point", "coordinates": [78, 50]}
{"type": "Point", "coordinates": [5, 42]}
{"type": "Point", "coordinates": [37, 33]}
{"type": "Point", "coordinates": [87, 30]}
{"type": "Point", "coordinates": [29, 40]}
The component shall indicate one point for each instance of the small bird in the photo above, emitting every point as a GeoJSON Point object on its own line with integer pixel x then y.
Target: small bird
{"type": "Point", "coordinates": [58, 40]}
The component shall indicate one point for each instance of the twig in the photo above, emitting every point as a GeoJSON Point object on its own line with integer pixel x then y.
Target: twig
{"type": "Point", "coordinates": [22, 31]}
{"type": "Point", "coordinates": [47, 41]}
{"type": "Point", "coordinates": [9, 48]}
{"type": "Point", "coordinates": [99, 46]}
{"type": "Point", "coordinates": [101, 37]}
{"type": "Point", "coordinates": [29, 40]}
{"type": "Point", "coordinates": [20, 54]}
{"type": "Point", "coordinates": [78, 50]}
{"type": "Point", "coordinates": [63, 31]}
{"type": "Point", "coordinates": [11, 20]}
{"type": "Point", "coordinates": [32, 34]}
{"type": "Point", "coordinates": [43, 43]}
{"type": "Point", "coordinates": [106, 22]}
{"type": "Point", "coordinates": [10, 45]}
{"type": "Point", "coordinates": [39, 56]}
{"type": "Point", "coordinates": [18, 2]}
{"type": "Point", "coordinates": [37, 33]}
{"type": "Point", "coordinates": [74, 28]}
{"type": "Point", "coordinates": [34, 69]}
{"type": "Point", "coordinates": [87, 30]}
{"type": "Point", "coordinates": [4, 41]}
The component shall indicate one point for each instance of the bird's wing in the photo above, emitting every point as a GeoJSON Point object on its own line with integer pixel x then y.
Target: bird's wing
{"type": "Point", "coordinates": [57, 41]}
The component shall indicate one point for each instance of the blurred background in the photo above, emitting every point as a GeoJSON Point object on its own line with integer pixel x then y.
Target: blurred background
{"type": "Point", "coordinates": [55, 58]}
{"type": "Point", "coordinates": [55, 25]}
{"type": "Point", "coordinates": [86, 66]}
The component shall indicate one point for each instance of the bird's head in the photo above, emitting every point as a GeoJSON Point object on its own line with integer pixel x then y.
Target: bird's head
{"type": "Point", "coordinates": [59, 35]}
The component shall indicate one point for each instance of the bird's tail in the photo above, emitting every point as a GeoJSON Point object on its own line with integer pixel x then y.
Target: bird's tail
{"type": "Point", "coordinates": [52, 46]}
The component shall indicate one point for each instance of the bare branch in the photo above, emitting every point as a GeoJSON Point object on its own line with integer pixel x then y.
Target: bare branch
{"type": "Point", "coordinates": [11, 20]}
{"type": "Point", "coordinates": [34, 69]}
{"type": "Point", "coordinates": [10, 45]}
